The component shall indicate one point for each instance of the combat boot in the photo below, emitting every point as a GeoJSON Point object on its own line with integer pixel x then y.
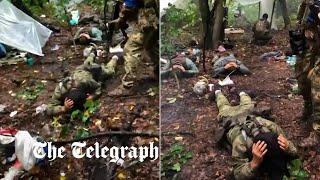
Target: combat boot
{"type": "Point", "coordinates": [311, 141]}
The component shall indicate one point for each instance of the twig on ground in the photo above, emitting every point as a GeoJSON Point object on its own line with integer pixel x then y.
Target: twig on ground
{"type": "Point", "coordinates": [177, 79]}
{"type": "Point", "coordinates": [170, 133]}
{"type": "Point", "coordinates": [110, 133]}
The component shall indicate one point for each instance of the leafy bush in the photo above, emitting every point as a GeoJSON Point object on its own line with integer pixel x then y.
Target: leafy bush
{"type": "Point", "coordinates": [31, 93]}
{"type": "Point", "coordinates": [174, 21]}
{"type": "Point", "coordinates": [174, 159]}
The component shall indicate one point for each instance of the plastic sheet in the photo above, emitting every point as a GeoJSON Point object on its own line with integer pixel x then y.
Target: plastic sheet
{"type": "Point", "coordinates": [21, 31]}
{"type": "Point", "coordinates": [248, 2]}
{"type": "Point", "coordinates": [24, 145]}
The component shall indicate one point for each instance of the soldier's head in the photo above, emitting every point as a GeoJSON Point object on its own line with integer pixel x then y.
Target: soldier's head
{"type": "Point", "coordinates": [177, 63]}
{"type": "Point", "coordinates": [78, 96]}
{"type": "Point", "coordinates": [84, 39]}
{"type": "Point", "coordinates": [265, 16]}
{"type": "Point", "coordinates": [275, 160]}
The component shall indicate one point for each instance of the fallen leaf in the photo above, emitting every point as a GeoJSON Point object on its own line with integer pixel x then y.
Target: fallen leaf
{"type": "Point", "coordinates": [171, 100]}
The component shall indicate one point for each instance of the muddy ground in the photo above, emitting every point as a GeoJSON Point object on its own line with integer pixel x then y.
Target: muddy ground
{"type": "Point", "coordinates": [114, 113]}
{"type": "Point", "coordinates": [192, 114]}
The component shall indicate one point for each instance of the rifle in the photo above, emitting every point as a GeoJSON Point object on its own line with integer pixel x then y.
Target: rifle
{"type": "Point", "coordinates": [111, 27]}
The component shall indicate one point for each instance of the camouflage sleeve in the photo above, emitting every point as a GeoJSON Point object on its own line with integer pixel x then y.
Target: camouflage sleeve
{"type": "Point", "coordinates": [292, 150]}
{"type": "Point", "coordinates": [241, 163]}
{"type": "Point", "coordinates": [301, 10]}
{"type": "Point", "coordinates": [97, 92]}
{"type": "Point", "coordinates": [55, 107]}
{"type": "Point", "coordinates": [191, 68]}
{"type": "Point", "coordinates": [79, 31]}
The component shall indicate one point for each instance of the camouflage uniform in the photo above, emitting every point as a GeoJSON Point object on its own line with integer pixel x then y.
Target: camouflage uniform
{"type": "Point", "coordinates": [94, 33]}
{"type": "Point", "coordinates": [264, 34]}
{"type": "Point", "coordinates": [144, 38]}
{"type": "Point", "coordinates": [304, 65]}
{"type": "Point", "coordinates": [241, 143]}
{"type": "Point", "coordinates": [308, 75]}
{"type": "Point", "coordinates": [80, 76]}
{"type": "Point", "coordinates": [190, 67]}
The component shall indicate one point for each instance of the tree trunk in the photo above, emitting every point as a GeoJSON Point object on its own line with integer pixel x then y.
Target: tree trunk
{"type": "Point", "coordinates": [206, 23]}
{"type": "Point", "coordinates": [284, 9]}
{"type": "Point", "coordinates": [217, 22]}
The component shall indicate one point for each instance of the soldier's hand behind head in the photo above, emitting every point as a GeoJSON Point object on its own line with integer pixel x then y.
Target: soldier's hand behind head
{"type": "Point", "coordinates": [283, 142]}
{"type": "Point", "coordinates": [68, 103]}
{"type": "Point", "coordinates": [259, 149]}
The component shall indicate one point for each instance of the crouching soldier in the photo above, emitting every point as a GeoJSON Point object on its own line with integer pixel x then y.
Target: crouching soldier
{"type": "Point", "coordinates": [259, 147]}
{"type": "Point", "coordinates": [84, 83]}
{"type": "Point", "coordinates": [229, 64]}
{"type": "Point", "coordinates": [261, 30]}
{"type": "Point", "coordinates": [180, 65]}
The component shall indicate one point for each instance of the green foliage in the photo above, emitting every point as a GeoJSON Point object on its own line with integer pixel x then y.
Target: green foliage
{"type": "Point", "coordinates": [31, 93]}
{"type": "Point", "coordinates": [50, 9]}
{"type": "Point", "coordinates": [296, 170]}
{"type": "Point", "coordinates": [96, 4]}
{"type": "Point", "coordinates": [174, 159]}
{"type": "Point", "coordinates": [90, 108]}
{"type": "Point", "coordinates": [82, 133]}
{"type": "Point", "coordinates": [174, 22]}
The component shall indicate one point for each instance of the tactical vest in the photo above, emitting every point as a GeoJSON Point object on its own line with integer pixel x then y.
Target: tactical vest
{"type": "Point", "coordinates": [249, 125]}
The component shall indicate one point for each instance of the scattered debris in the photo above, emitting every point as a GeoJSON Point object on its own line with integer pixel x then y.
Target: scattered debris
{"type": "Point", "coordinates": [41, 109]}
{"type": "Point", "coordinates": [13, 113]}
{"type": "Point", "coordinates": [55, 48]}
{"type": "Point", "coordinates": [2, 108]}
{"type": "Point", "coordinates": [226, 81]}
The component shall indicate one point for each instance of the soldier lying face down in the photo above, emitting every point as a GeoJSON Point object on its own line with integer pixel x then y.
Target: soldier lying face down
{"type": "Point", "coordinates": [259, 146]}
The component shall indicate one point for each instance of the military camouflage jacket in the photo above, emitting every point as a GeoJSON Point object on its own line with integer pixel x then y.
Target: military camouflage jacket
{"type": "Point", "coordinates": [242, 146]}
{"type": "Point", "coordinates": [190, 67]}
{"type": "Point", "coordinates": [79, 76]}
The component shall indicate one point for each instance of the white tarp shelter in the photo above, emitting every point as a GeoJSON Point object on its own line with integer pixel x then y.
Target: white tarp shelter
{"type": "Point", "coordinates": [20, 31]}
{"type": "Point", "coordinates": [266, 6]}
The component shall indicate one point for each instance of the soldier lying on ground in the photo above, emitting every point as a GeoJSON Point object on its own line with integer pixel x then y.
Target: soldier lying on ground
{"type": "Point", "coordinates": [261, 29]}
{"type": "Point", "coordinates": [84, 83]}
{"type": "Point", "coordinates": [259, 146]}
{"type": "Point", "coordinates": [85, 36]}
{"type": "Point", "coordinates": [180, 65]}
{"type": "Point", "coordinates": [227, 64]}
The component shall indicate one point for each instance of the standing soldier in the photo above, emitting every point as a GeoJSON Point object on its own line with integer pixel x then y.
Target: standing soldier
{"type": "Point", "coordinates": [307, 69]}
{"type": "Point", "coordinates": [143, 16]}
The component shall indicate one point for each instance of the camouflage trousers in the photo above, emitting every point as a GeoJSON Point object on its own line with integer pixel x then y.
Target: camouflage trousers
{"type": "Point", "coordinates": [225, 108]}
{"type": "Point", "coordinates": [314, 76]}
{"type": "Point", "coordinates": [107, 70]}
{"type": "Point", "coordinates": [302, 69]}
{"type": "Point", "coordinates": [143, 40]}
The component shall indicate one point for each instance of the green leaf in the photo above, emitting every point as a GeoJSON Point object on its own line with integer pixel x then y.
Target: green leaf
{"type": "Point", "coordinates": [82, 133]}
{"type": "Point", "coordinates": [75, 114]}
{"type": "Point", "coordinates": [64, 131]}
{"type": "Point", "coordinates": [176, 148]}
{"type": "Point", "coordinates": [303, 174]}
{"type": "Point", "coordinates": [188, 155]}
{"type": "Point", "coordinates": [85, 117]}
{"type": "Point", "coordinates": [176, 167]}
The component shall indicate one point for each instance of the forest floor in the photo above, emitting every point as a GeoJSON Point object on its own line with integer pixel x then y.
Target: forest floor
{"type": "Point", "coordinates": [141, 110]}
{"type": "Point", "coordinates": [270, 81]}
